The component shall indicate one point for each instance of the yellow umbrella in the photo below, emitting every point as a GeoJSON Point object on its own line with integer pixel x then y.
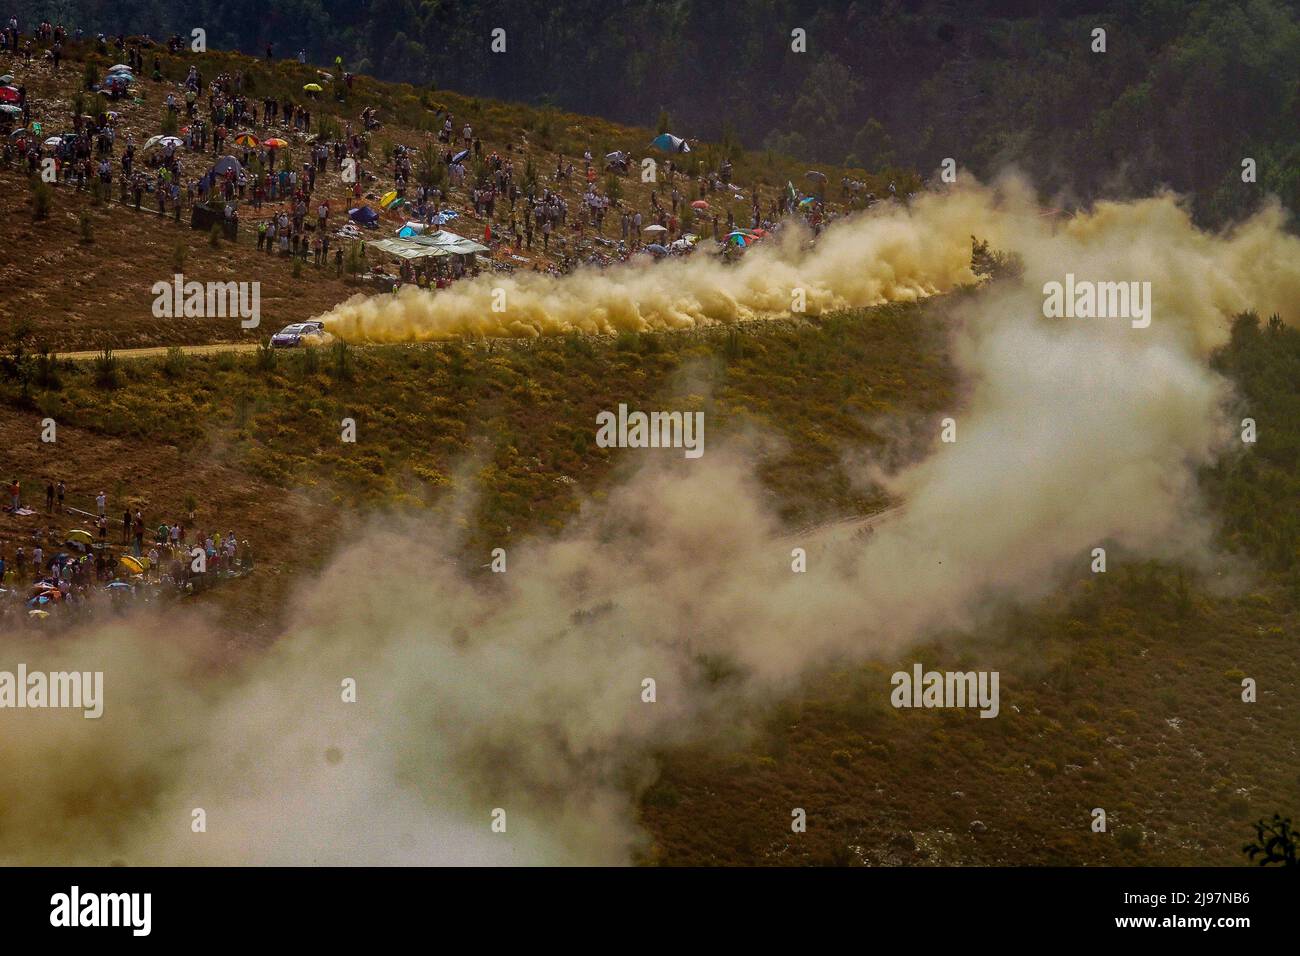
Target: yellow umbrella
{"type": "Point", "coordinates": [313, 87]}
{"type": "Point", "coordinates": [246, 139]}
{"type": "Point", "coordinates": [132, 564]}
{"type": "Point", "coordinates": [84, 537]}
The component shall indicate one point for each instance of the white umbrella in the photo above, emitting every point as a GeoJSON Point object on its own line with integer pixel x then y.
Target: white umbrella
{"type": "Point", "coordinates": [655, 228]}
{"type": "Point", "coordinates": [171, 141]}
{"type": "Point", "coordinates": [119, 68]}
{"type": "Point", "coordinates": [152, 141]}
{"type": "Point", "coordinates": [54, 141]}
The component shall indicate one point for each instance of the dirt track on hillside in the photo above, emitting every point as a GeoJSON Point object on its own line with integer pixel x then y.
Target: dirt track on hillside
{"type": "Point", "coordinates": [159, 351]}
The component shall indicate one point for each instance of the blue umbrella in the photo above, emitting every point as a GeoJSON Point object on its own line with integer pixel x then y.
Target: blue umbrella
{"type": "Point", "coordinates": [459, 156]}
{"type": "Point", "coordinates": [657, 249]}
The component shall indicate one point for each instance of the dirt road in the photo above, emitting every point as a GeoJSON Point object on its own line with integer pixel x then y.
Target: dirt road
{"type": "Point", "coordinates": [160, 350]}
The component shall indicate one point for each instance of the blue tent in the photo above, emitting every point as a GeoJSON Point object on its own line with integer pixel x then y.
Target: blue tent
{"type": "Point", "coordinates": [670, 143]}
{"type": "Point", "coordinates": [364, 215]}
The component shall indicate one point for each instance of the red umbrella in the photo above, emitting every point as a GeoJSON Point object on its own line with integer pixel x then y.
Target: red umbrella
{"type": "Point", "coordinates": [8, 94]}
{"type": "Point", "coordinates": [699, 204]}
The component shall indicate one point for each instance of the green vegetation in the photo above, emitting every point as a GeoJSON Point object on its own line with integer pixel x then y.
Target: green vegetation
{"type": "Point", "coordinates": [425, 409]}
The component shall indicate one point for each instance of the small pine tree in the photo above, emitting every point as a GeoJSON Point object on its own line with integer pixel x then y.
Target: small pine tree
{"type": "Point", "coordinates": [356, 262]}
{"type": "Point", "coordinates": [530, 176]}
{"type": "Point", "coordinates": [342, 368]}
{"type": "Point", "coordinates": [42, 198]}
{"type": "Point", "coordinates": [613, 187]}
{"type": "Point", "coordinates": [106, 371]}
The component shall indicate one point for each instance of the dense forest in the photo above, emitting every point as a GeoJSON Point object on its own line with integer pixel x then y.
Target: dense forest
{"type": "Point", "coordinates": [1184, 91]}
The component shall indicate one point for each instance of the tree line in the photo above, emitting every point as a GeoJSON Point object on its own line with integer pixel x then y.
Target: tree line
{"type": "Point", "coordinates": [1181, 96]}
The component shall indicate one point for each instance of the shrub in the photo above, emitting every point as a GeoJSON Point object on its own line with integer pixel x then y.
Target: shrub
{"type": "Point", "coordinates": [1275, 842]}
{"type": "Point", "coordinates": [342, 370]}
{"type": "Point", "coordinates": [663, 795]}
{"type": "Point", "coordinates": [310, 361]}
{"type": "Point", "coordinates": [214, 236]}
{"type": "Point", "coordinates": [1129, 838]}
{"type": "Point", "coordinates": [265, 357]}
{"type": "Point", "coordinates": [175, 364]}
{"type": "Point", "coordinates": [106, 370]}
{"type": "Point", "coordinates": [86, 226]}
{"type": "Point", "coordinates": [46, 373]}
{"type": "Point", "coordinates": [1045, 767]}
